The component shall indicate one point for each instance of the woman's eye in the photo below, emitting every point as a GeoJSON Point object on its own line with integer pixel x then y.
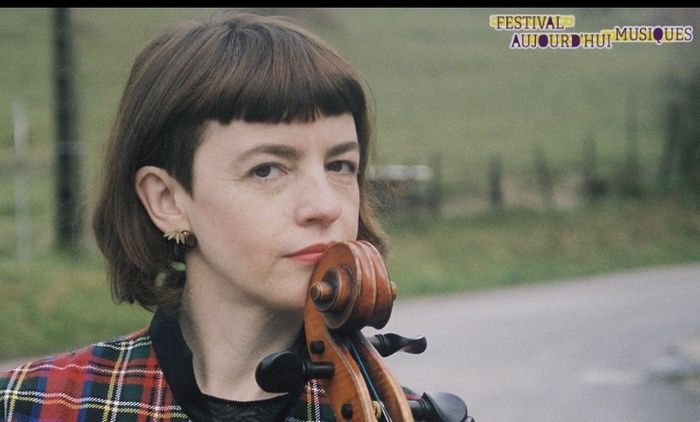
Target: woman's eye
{"type": "Point", "coordinates": [342, 166]}
{"type": "Point", "coordinates": [265, 171]}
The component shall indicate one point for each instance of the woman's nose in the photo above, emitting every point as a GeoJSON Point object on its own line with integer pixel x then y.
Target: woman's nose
{"type": "Point", "coordinates": [318, 203]}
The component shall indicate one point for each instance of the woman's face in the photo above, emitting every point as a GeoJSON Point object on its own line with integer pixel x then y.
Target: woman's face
{"type": "Point", "coordinates": [266, 199]}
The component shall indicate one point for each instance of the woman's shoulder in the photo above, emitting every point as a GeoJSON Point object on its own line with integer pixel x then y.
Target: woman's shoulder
{"type": "Point", "coordinates": [94, 359]}
{"type": "Point", "coordinates": [98, 378]}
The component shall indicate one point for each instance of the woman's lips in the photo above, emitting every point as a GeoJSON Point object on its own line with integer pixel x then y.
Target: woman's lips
{"type": "Point", "coordinates": [309, 258]}
{"type": "Point", "coordinates": [309, 255]}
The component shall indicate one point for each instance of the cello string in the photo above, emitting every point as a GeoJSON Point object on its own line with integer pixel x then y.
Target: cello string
{"type": "Point", "coordinates": [373, 392]}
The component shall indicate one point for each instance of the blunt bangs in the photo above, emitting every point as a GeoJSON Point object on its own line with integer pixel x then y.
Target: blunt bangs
{"type": "Point", "coordinates": [255, 71]}
{"type": "Point", "coordinates": [271, 78]}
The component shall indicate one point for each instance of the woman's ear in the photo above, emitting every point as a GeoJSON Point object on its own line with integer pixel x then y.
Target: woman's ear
{"type": "Point", "coordinates": [162, 195]}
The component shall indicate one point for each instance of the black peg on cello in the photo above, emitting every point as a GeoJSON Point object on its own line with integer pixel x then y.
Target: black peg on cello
{"type": "Point", "coordinates": [388, 344]}
{"type": "Point", "coordinates": [286, 371]}
{"type": "Point", "coordinates": [439, 407]}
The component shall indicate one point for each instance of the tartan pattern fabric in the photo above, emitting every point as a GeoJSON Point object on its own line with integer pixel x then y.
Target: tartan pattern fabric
{"type": "Point", "coordinates": [116, 381]}
{"type": "Point", "coordinates": [312, 406]}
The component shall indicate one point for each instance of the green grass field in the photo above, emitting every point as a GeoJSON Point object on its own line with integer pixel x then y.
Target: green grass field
{"type": "Point", "coordinates": [443, 82]}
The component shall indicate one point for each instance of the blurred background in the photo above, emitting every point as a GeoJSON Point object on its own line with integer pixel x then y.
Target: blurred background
{"type": "Point", "coordinates": [494, 167]}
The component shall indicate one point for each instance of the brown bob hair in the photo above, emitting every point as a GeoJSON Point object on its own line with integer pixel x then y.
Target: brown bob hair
{"type": "Point", "coordinates": [244, 66]}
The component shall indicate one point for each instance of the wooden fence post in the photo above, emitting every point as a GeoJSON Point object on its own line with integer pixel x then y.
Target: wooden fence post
{"type": "Point", "coordinates": [68, 221]}
{"type": "Point", "coordinates": [544, 177]}
{"type": "Point", "coordinates": [435, 189]}
{"type": "Point", "coordinates": [594, 187]}
{"type": "Point", "coordinates": [495, 183]}
{"type": "Point", "coordinates": [669, 153]}
{"type": "Point", "coordinates": [21, 191]}
{"type": "Point", "coordinates": [631, 180]}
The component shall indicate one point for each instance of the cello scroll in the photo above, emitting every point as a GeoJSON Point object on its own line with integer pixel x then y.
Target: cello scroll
{"type": "Point", "coordinates": [349, 290]}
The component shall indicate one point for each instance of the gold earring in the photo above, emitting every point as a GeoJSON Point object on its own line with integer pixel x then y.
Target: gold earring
{"type": "Point", "coordinates": [181, 237]}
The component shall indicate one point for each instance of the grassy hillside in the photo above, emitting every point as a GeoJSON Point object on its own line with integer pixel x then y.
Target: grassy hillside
{"type": "Point", "coordinates": [443, 80]}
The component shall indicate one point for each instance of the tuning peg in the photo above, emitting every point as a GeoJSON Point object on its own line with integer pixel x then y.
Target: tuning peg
{"type": "Point", "coordinates": [388, 344]}
{"type": "Point", "coordinates": [439, 407]}
{"type": "Point", "coordinates": [286, 371]}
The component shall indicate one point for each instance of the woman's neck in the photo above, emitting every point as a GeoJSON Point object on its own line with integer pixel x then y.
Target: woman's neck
{"type": "Point", "coordinates": [229, 337]}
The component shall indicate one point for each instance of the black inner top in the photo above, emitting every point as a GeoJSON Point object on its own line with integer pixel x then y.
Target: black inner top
{"type": "Point", "coordinates": [222, 410]}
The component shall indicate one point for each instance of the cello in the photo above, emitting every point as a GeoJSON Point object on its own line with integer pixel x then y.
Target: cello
{"type": "Point", "coordinates": [349, 290]}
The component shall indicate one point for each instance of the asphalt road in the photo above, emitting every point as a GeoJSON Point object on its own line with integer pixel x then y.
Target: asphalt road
{"type": "Point", "coordinates": [619, 347]}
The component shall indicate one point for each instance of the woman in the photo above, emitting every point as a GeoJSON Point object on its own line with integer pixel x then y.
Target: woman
{"type": "Point", "coordinates": [238, 154]}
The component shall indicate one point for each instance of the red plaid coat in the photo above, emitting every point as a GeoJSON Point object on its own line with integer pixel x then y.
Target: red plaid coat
{"type": "Point", "coordinates": [116, 381]}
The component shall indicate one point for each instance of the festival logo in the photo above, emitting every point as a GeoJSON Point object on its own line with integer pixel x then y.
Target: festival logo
{"type": "Point", "coordinates": [550, 32]}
